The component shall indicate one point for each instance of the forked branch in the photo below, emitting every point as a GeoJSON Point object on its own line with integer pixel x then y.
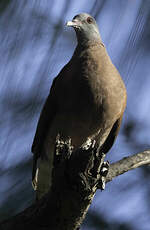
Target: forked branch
{"type": "Point", "coordinates": [76, 177]}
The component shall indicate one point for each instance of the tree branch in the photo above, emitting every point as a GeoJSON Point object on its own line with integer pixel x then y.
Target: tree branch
{"type": "Point", "coordinates": [128, 163]}
{"type": "Point", "coordinates": [76, 179]}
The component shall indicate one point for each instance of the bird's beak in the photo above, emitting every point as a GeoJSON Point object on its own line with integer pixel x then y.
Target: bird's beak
{"type": "Point", "coordinates": [73, 23]}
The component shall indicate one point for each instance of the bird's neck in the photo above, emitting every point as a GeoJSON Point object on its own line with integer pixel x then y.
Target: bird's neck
{"type": "Point", "coordinates": [86, 45]}
{"type": "Point", "coordinates": [84, 37]}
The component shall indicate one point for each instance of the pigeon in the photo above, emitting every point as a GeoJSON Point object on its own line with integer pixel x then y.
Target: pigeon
{"type": "Point", "coordinates": [86, 102]}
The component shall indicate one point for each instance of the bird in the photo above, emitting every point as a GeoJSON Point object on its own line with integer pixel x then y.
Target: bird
{"type": "Point", "coordinates": [87, 100]}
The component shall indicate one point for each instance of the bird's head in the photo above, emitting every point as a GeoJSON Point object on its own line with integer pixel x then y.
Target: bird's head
{"type": "Point", "coordinates": [86, 28]}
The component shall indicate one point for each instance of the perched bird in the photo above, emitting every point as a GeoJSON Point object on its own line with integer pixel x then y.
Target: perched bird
{"type": "Point", "coordinates": [87, 101]}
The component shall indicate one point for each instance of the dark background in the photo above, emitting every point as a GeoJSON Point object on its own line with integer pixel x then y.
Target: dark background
{"type": "Point", "coordinates": [34, 46]}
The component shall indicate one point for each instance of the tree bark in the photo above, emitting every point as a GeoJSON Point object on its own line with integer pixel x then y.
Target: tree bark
{"type": "Point", "coordinates": [76, 177]}
{"type": "Point", "coordinates": [128, 163]}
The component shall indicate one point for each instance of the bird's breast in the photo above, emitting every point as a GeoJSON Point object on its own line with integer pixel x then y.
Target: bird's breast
{"type": "Point", "coordinates": [90, 98]}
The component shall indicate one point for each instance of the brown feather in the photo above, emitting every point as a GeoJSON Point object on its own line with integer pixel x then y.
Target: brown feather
{"type": "Point", "coordinates": [86, 100]}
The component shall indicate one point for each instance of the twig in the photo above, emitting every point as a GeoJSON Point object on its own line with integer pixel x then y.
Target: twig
{"type": "Point", "coordinates": [128, 163]}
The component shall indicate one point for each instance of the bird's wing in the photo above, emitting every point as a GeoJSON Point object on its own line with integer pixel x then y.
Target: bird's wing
{"type": "Point", "coordinates": [45, 120]}
{"type": "Point", "coordinates": [111, 137]}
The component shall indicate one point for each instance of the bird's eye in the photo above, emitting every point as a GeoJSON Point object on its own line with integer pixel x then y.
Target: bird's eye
{"type": "Point", "coordinates": [90, 20]}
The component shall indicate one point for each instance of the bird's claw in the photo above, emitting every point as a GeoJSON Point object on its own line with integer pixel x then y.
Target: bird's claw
{"type": "Point", "coordinates": [89, 144]}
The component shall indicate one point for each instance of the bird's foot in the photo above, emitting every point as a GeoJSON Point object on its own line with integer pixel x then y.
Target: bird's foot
{"type": "Point", "coordinates": [89, 144]}
{"type": "Point", "coordinates": [63, 149]}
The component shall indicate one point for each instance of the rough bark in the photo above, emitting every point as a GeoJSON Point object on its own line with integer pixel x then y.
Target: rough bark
{"type": "Point", "coordinates": [76, 177]}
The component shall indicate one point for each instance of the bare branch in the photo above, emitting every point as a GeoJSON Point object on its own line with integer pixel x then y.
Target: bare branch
{"type": "Point", "coordinates": [128, 163]}
{"type": "Point", "coordinates": [73, 191]}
